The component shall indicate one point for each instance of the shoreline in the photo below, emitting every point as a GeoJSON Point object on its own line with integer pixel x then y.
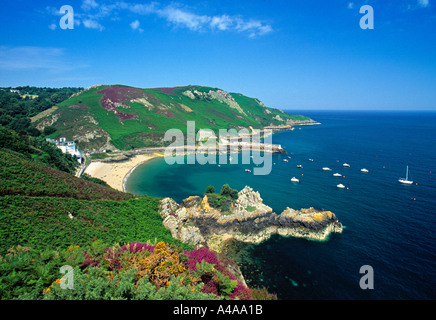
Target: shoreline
{"type": "Point", "coordinates": [115, 173]}
{"type": "Point", "coordinates": [127, 175]}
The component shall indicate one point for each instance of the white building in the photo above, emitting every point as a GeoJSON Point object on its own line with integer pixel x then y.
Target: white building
{"type": "Point", "coordinates": [68, 147]}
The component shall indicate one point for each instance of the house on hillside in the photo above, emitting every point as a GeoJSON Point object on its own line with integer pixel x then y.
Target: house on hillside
{"type": "Point", "coordinates": [68, 146]}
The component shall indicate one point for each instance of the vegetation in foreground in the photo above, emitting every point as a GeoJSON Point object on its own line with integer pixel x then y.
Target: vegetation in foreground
{"type": "Point", "coordinates": [132, 271]}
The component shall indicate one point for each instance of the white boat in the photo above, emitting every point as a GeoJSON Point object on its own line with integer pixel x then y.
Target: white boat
{"type": "Point", "coordinates": [364, 170]}
{"type": "Point", "coordinates": [346, 165]}
{"type": "Point", "coordinates": [326, 169]}
{"type": "Point", "coordinates": [310, 159]}
{"type": "Point", "coordinates": [300, 166]}
{"type": "Point", "coordinates": [337, 175]}
{"type": "Point", "coordinates": [406, 180]}
{"type": "Point", "coordinates": [295, 180]}
{"type": "Point", "coordinates": [340, 186]}
{"type": "Point", "coordinates": [247, 170]}
{"type": "Point", "coordinates": [286, 160]}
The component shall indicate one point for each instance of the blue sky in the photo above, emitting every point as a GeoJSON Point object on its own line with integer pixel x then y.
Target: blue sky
{"type": "Point", "coordinates": [289, 54]}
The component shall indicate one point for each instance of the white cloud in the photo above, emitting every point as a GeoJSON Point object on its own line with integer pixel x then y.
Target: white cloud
{"type": "Point", "coordinates": [135, 26]}
{"type": "Point", "coordinates": [423, 3]}
{"type": "Point", "coordinates": [52, 26]}
{"type": "Point", "coordinates": [93, 15]}
{"type": "Point", "coordinates": [183, 18]}
{"type": "Point", "coordinates": [89, 4]}
{"type": "Point", "coordinates": [223, 22]}
{"type": "Point", "coordinates": [92, 24]}
{"type": "Point", "coordinates": [350, 5]}
{"type": "Point", "coordinates": [253, 27]}
{"type": "Point", "coordinates": [139, 8]}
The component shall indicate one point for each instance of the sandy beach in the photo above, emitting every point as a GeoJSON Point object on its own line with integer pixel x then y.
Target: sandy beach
{"type": "Point", "coordinates": [114, 173]}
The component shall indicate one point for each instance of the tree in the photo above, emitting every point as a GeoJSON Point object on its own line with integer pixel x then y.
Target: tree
{"type": "Point", "coordinates": [49, 130]}
{"type": "Point", "coordinates": [210, 189]}
{"type": "Point", "coordinates": [234, 194]}
{"type": "Point", "coordinates": [226, 190]}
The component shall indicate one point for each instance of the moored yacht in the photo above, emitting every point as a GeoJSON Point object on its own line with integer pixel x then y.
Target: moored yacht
{"type": "Point", "coordinates": [406, 179]}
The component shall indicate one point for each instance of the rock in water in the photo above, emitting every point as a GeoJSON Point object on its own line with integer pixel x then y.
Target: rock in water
{"type": "Point", "coordinates": [249, 220]}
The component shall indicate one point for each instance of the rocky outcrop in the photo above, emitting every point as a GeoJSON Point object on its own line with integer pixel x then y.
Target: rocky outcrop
{"type": "Point", "coordinates": [249, 220]}
{"type": "Point", "coordinates": [220, 95]}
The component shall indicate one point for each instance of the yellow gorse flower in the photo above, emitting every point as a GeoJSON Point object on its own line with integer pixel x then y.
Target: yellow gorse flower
{"type": "Point", "coordinates": [160, 246]}
{"type": "Point", "coordinates": [70, 248]}
{"type": "Point", "coordinates": [46, 290]}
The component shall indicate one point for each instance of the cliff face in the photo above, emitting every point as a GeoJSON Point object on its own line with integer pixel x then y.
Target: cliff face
{"type": "Point", "coordinates": [250, 220]}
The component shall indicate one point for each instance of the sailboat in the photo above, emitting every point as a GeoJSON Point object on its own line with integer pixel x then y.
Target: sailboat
{"type": "Point", "coordinates": [406, 180]}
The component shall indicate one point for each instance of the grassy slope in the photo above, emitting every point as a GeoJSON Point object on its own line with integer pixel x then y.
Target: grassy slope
{"type": "Point", "coordinates": [166, 113]}
{"type": "Point", "coordinates": [36, 202]}
{"type": "Point", "coordinates": [19, 176]}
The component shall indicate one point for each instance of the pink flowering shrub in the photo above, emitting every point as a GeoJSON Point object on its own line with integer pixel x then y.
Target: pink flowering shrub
{"type": "Point", "coordinates": [213, 283]}
{"type": "Point", "coordinates": [159, 262]}
{"type": "Point", "coordinates": [120, 94]}
{"type": "Point", "coordinates": [115, 96]}
{"type": "Point", "coordinates": [90, 261]}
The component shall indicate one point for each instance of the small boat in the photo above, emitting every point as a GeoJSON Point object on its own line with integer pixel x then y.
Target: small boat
{"type": "Point", "coordinates": [406, 180]}
{"type": "Point", "coordinates": [300, 166]}
{"type": "Point", "coordinates": [311, 160]}
{"type": "Point", "coordinates": [341, 186]}
{"type": "Point", "coordinates": [247, 170]}
{"type": "Point", "coordinates": [364, 170]}
{"type": "Point", "coordinates": [326, 169]}
{"type": "Point", "coordinates": [337, 175]}
{"type": "Point", "coordinates": [285, 160]}
{"type": "Point", "coordinates": [346, 165]}
{"type": "Point", "coordinates": [295, 180]}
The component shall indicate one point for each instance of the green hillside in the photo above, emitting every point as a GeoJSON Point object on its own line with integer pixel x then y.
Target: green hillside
{"type": "Point", "coordinates": [107, 116]}
{"type": "Point", "coordinates": [42, 207]}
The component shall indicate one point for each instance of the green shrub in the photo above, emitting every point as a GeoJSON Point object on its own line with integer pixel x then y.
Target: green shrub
{"type": "Point", "coordinates": [210, 189]}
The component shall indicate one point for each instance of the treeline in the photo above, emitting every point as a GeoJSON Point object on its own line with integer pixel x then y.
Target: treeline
{"type": "Point", "coordinates": [37, 149]}
{"type": "Point", "coordinates": [16, 109]}
{"type": "Point", "coordinates": [17, 134]}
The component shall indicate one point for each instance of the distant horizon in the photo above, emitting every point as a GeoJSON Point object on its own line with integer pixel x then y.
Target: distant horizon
{"type": "Point", "coordinates": [369, 109]}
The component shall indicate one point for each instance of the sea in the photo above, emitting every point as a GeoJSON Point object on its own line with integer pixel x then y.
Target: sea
{"type": "Point", "coordinates": [387, 248]}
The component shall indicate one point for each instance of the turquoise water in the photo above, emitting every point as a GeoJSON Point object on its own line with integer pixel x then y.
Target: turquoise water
{"type": "Point", "coordinates": [388, 226]}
